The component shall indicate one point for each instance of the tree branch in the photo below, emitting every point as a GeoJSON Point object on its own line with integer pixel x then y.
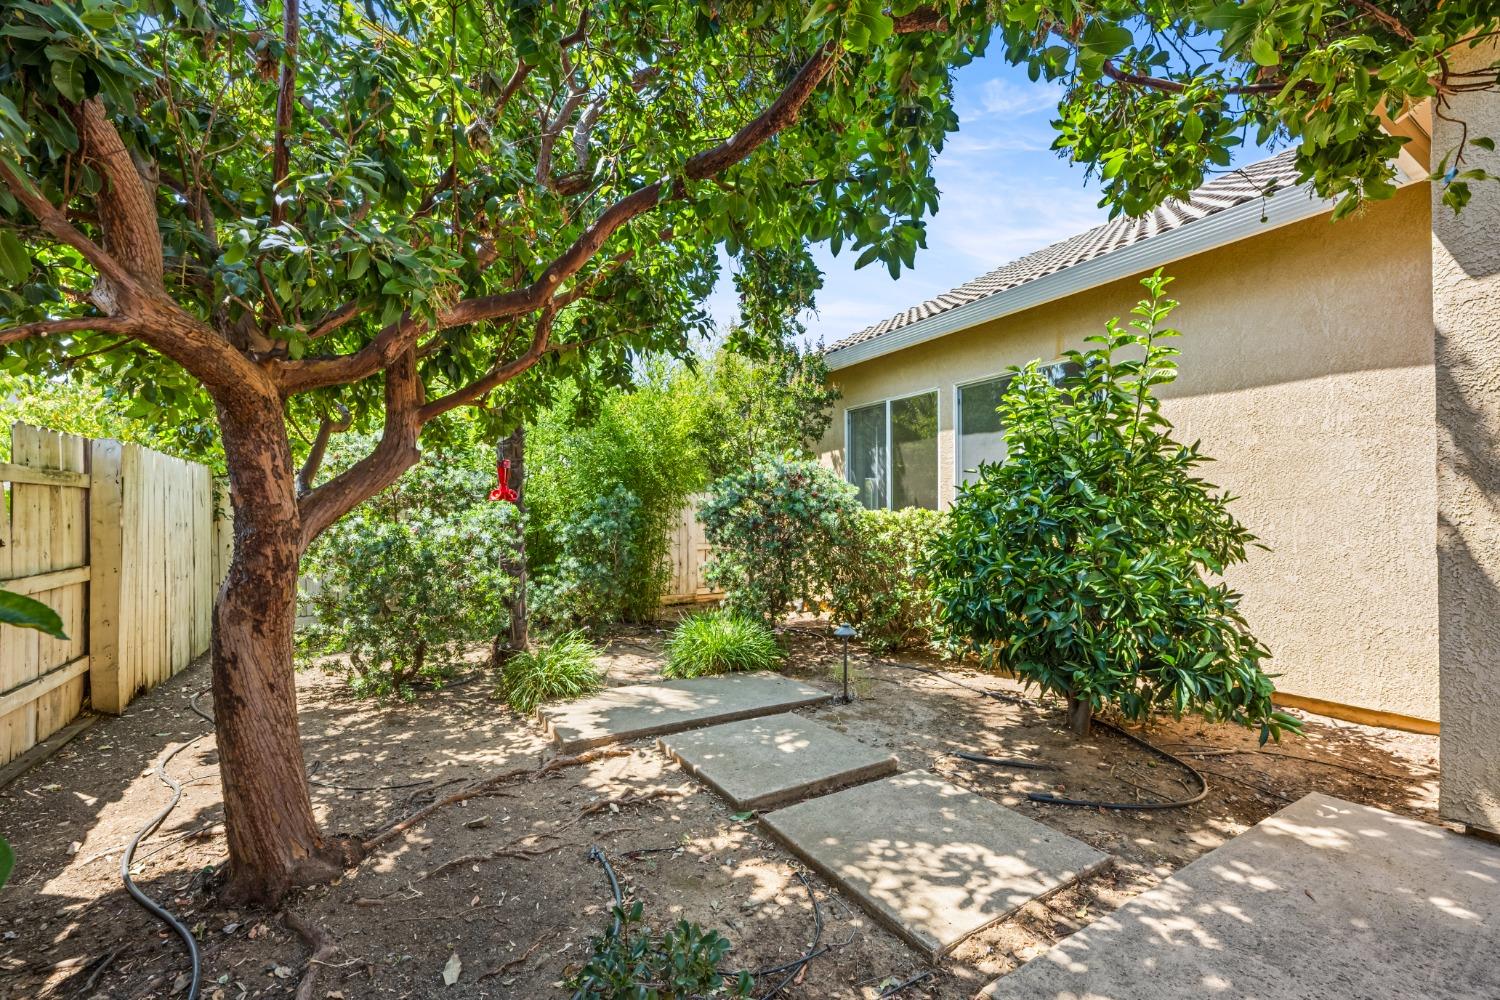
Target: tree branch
{"type": "Point", "coordinates": [498, 375]}
{"type": "Point", "coordinates": [1390, 21]}
{"type": "Point", "coordinates": [394, 454]}
{"type": "Point", "coordinates": [400, 336]}
{"type": "Point", "coordinates": [327, 427]}
{"type": "Point", "coordinates": [96, 324]}
{"type": "Point", "coordinates": [1174, 87]}
{"type": "Point", "coordinates": [286, 100]}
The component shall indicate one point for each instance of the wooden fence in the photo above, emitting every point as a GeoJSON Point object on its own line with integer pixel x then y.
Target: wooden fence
{"type": "Point", "coordinates": [688, 551]}
{"type": "Point", "coordinates": [128, 546]}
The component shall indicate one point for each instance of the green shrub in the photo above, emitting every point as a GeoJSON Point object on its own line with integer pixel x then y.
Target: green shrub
{"type": "Point", "coordinates": [410, 578]}
{"type": "Point", "coordinates": [720, 643]}
{"type": "Point", "coordinates": [628, 963]}
{"type": "Point", "coordinates": [878, 584]}
{"type": "Point", "coordinates": [552, 669]}
{"type": "Point", "coordinates": [1085, 562]}
{"type": "Point", "coordinates": [776, 529]}
{"type": "Point", "coordinates": [584, 456]}
{"type": "Point", "coordinates": [593, 580]}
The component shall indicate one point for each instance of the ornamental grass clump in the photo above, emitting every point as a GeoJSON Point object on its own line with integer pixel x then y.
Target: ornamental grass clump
{"type": "Point", "coordinates": [1090, 561]}
{"type": "Point", "coordinates": [721, 643]}
{"type": "Point", "coordinates": [551, 670]}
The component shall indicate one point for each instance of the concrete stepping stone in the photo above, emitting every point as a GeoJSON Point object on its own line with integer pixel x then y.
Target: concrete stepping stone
{"type": "Point", "coordinates": [760, 763]}
{"type": "Point", "coordinates": [1323, 899]}
{"type": "Point", "coordinates": [931, 861]}
{"type": "Point", "coordinates": [637, 711]}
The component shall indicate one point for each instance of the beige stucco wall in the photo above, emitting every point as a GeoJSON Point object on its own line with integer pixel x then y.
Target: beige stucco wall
{"type": "Point", "coordinates": [1307, 372]}
{"type": "Point", "coordinates": [1466, 316]}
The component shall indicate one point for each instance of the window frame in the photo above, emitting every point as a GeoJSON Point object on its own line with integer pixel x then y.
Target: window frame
{"type": "Point", "coordinates": [958, 414]}
{"type": "Point", "coordinates": [890, 480]}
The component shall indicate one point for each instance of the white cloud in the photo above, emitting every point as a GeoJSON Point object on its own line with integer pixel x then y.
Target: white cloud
{"type": "Point", "coordinates": [1010, 99]}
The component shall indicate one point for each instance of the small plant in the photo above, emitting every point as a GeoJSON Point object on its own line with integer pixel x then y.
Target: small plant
{"type": "Point", "coordinates": [550, 670]}
{"type": "Point", "coordinates": [628, 963]}
{"type": "Point", "coordinates": [776, 530]}
{"type": "Point", "coordinates": [721, 643]}
{"type": "Point", "coordinates": [1089, 562]}
{"type": "Point", "coordinates": [877, 583]}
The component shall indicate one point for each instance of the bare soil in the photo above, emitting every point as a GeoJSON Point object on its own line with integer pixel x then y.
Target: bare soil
{"type": "Point", "coordinates": [503, 880]}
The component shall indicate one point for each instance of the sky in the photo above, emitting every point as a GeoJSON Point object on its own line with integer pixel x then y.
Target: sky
{"type": "Point", "coordinates": [1004, 193]}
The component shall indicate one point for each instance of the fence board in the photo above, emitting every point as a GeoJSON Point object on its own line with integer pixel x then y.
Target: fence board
{"type": "Point", "coordinates": [127, 546]}
{"type": "Point", "coordinates": [688, 551]}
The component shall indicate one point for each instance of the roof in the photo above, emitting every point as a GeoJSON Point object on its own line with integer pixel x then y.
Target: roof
{"type": "Point", "coordinates": [1237, 188]}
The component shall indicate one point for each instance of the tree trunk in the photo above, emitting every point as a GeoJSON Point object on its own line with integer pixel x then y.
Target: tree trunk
{"type": "Point", "coordinates": [274, 841]}
{"type": "Point", "coordinates": [518, 637]}
{"type": "Point", "coordinates": [1080, 715]}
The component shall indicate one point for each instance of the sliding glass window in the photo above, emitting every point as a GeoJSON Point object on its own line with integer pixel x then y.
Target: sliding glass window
{"type": "Point", "coordinates": [980, 432]}
{"type": "Point", "coordinates": [892, 452]}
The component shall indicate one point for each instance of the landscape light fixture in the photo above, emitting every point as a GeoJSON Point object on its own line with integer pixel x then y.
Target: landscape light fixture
{"type": "Point", "coordinates": [846, 632]}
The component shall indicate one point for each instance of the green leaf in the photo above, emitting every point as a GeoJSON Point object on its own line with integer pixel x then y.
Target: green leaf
{"type": "Point", "coordinates": [15, 262]}
{"type": "Point", "coordinates": [7, 861]}
{"type": "Point", "coordinates": [1105, 40]}
{"type": "Point", "coordinates": [23, 612]}
{"type": "Point", "coordinates": [1263, 51]}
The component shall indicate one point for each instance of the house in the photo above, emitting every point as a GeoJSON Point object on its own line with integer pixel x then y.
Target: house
{"type": "Point", "coordinates": [1307, 371]}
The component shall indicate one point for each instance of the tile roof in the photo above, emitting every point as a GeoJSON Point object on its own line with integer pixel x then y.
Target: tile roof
{"type": "Point", "coordinates": [1235, 188]}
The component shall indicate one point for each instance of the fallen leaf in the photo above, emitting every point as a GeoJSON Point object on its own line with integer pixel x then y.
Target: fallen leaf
{"type": "Point", "coordinates": [451, 970]}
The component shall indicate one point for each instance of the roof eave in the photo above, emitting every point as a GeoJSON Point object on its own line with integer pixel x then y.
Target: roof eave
{"type": "Point", "coordinates": [1211, 232]}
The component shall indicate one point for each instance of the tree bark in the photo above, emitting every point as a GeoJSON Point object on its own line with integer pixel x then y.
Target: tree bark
{"type": "Point", "coordinates": [274, 841]}
{"type": "Point", "coordinates": [518, 636]}
{"type": "Point", "coordinates": [1080, 715]}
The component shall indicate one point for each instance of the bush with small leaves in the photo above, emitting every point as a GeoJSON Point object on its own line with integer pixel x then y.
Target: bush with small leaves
{"type": "Point", "coordinates": [630, 963]}
{"type": "Point", "coordinates": [594, 579]}
{"type": "Point", "coordinates": [776, 529]}
{"type": "Point", "coordinates": [721, 642]}
{"type": "Point", "coordinates": [411, 578]}
{"type": "Point", "coordinates": [551, 670]}
{"type": "Point", "coordinates": [877, 584]}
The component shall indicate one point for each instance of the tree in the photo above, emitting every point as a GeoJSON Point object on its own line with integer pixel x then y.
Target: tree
{"type": "Point", "coordinates": [301, 218]}
{"type": "Point", "coordinates": [1158, 93]}
{"type": "Point", "coordinates": [1084, 562]}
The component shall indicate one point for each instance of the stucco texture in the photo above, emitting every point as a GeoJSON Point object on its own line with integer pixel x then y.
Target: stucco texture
{"type": "Point", "coordinates": [1466, 316]}
{"type": "Point", "coordinates": [1307, 372]}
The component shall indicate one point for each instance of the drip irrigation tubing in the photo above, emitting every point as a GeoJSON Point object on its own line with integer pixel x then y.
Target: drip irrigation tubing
{"type": "Point", "coordinates": [596, 853]}
{"type": "Point", "coordinates": [1054, 800]}
{"type": "Point", "coordinates": [151, 906]}
{"type": "Point", "coordinates": [979, 758]}
{"type": "Point", "coordinates": [813, 951]}
{"type": "Point", "coordinates": [1004, 696]}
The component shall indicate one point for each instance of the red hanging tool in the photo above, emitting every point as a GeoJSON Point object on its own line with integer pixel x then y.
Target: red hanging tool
{"type": "Point", "coordinates": [502, 490]}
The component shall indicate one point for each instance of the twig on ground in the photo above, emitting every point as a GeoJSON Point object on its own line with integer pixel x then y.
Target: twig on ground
{"type": "Point", "coordinates": [323, 950]}
{"type": "Point", "coordinates": [506, 966]}
{"type": "Point", "coordinates": [472, 791]}
{"type": "Point", "coordinates": [508, 851]}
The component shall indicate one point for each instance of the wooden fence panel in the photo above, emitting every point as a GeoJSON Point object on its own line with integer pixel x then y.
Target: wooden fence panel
{"type": "Point", "coordinates": [128, 546]}
{"type": "Point", "coordinates": [688, 551]}
{"type": "Point", "coordinates": [44, 554]}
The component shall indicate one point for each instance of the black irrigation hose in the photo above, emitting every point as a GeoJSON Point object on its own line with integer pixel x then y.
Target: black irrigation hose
{"type": "Point", "coordinates": [812, 952]}
{"type": "Point", "coordinates": [596, 853]}
{"type": "Point", "coordinates": [1133, 806]}
{"type": "Point", "coordinates": [979, 758]}
{"type": "Point", "coordinates": [150, 905]}
{"type": "Point", "coordinates": [914, 980]}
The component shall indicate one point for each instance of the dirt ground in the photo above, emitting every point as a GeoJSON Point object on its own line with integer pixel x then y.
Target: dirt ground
{"type": "Point", "coordinates": [503, 880]}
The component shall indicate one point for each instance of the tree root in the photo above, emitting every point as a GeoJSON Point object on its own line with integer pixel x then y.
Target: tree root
{"type": "Point", "coordinates": [322, 947]}
{"type": "Point", "coordinates": [479, 787]}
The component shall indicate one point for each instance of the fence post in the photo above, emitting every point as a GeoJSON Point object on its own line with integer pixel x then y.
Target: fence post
{"type": "Point", "coordinates": [107, 680]}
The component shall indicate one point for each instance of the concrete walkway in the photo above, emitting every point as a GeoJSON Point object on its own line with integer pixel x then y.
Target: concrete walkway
{"type": "Point", "coordinates": [933, 862]}
{"type": "Point", "coordinates": [1325, 899]}
{"type": "Point", "coordinates": [637, 711]}
{"type": "Point", "coordinates": [760, 763]}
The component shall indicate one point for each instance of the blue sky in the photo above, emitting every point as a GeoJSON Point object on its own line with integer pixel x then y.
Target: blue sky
{"type": "Point", "coordinates": [1004, 194]}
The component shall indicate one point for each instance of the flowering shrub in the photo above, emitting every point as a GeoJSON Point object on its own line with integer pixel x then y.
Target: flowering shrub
{"type": "Point", "coordinates": [411, 577]}
{"type": "Point", "coordinates": [877, 583]}
{"type": "Point", "coordinates": [776, 530]}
